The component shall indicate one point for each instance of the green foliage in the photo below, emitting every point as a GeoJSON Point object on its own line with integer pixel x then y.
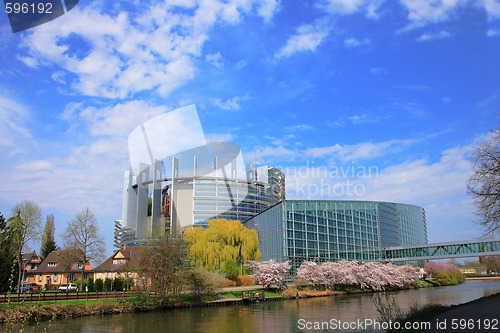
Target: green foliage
{"type": "Point", "coordinates": [144, 301]}
{"type": "Point", "coordinates": [98, 285]}
{"type": "Point", "coordinates": [118, 284]}
{"type": "Point", "coordinates": [90, 284]}
{"type": "Point", "coordinates": [231, 270]}
{"type": "Point", "coordinates": [48, 246]}
{"type": "Point", "coordinates": [9, 259]}
{"type": "Point", "coordinates": [163, 263]}
{"type": "Point", "coordinates": [107, 284]}
{"type": "Point", "coordinates": [448, 278]}
{"type": "Point", "coordinates": [223, 240]}
{"type": "Point", "coordinates": [203, 283]}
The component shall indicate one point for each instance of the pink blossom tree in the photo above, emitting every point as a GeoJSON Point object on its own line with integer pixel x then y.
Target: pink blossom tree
{"type": "Point", "coordinates": [271, 274]}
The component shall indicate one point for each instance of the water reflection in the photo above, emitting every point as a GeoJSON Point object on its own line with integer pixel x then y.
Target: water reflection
{"type": "Point", "coordinates": [282, 316]}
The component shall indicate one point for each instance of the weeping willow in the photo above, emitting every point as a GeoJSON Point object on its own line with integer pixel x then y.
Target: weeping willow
{"type": "Point", "coordinates": [223, 241]}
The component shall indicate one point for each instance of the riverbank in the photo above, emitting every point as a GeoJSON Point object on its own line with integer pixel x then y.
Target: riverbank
{"type": "Point", "coordinates": [42, 311]}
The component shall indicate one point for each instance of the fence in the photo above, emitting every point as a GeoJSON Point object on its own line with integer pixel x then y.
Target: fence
{"type": "Point", "coordinates": [61, 296]}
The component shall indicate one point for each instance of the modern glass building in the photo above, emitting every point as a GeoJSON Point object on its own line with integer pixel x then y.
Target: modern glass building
{"type": "Point", "coordinates": [330, 230]}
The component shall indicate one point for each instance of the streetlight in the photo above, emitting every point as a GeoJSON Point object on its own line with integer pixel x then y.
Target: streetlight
{"type": "Point", "coordinates": [25, 261]}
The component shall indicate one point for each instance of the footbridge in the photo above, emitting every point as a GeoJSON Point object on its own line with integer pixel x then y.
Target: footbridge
{"type": "Point", "coordinates": [460, 249]}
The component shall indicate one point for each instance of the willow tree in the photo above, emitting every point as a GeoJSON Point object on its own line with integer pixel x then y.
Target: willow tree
{"type": "Point", "coordinates": [224, 241]}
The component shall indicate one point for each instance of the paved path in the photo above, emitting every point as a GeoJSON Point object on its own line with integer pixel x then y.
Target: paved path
{"type": "Point", "coordinates": [243, 288]}
{"type": "Point", "coordinates": [474, 317]}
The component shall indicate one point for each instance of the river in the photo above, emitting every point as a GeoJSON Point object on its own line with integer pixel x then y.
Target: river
{"type": "Point", "coordinates": [275, 317]}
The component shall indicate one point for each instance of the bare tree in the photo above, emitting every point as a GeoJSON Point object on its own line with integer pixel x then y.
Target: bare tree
{"type": "Point", "coordinates": [484, 184]}
{"type": "Point", "coordinates": [82, 235]}
{"type": "Point", "coordinates": [26, 223]}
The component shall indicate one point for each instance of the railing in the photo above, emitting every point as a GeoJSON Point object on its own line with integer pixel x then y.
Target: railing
{"type": "Point", "coordinates": [61, 296]}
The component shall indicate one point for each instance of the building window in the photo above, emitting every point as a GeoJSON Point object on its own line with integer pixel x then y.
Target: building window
{"type": "Point", "coordinates": [118, 261]}
{"type": "Point", "coordinates": [71, 277]}
{"type": "Point", "coordinates": [54, 278]}
{"type": "Point", "coordinates": [52, 264]}
{"type": "Point", "coordinates": [40, 278]}
{"type": "Point", "coordinates": [79, 265]}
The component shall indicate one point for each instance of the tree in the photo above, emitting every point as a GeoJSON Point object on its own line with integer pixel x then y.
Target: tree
{"type": "Point", "coordinates": [163, 264]}
{"type": "Point", "coordinates": [8, 255]}
{"type": "Point", "coordinates": [25, 223]}
{"type": "Point", "coordinates": [27, 219]}
{"type": "Point", "coordinates": [48, 237]}
{"type": "Point", "coordinates": [82, 235]}
{"type": "Point", "coordinates": [49, 246]}
{"type": "Point", "coordinates": [270, 273]}
{"type": "Point", "coordinates": [484, 184]}
{"type": "Point", "coordinates": [224, 241]}
{"type": "Point", "coordinates": [492, 263]}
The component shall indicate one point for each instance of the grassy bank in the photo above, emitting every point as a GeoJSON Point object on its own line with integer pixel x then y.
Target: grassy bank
{"type": "Point", "coordinates": [389, 311]}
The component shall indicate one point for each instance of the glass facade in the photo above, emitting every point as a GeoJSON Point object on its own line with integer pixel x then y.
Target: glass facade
{"type": "Point", "coordinates": [322, 230]}
{"type": "Point", "coordinates": [235, 199]}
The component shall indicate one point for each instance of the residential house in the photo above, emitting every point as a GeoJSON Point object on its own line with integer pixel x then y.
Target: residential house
{"type": "Point", "coordinates": [473, 269]}
{"type": "Point", "coordinates": [123, 263]}
{"type": "Point", "coordinates": [30, 262]}
{"type": "Point", "coordinates": [61, 267]}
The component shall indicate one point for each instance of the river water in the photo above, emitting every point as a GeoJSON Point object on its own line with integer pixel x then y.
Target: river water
{"type": "Point", "coordinates": [275, 317]}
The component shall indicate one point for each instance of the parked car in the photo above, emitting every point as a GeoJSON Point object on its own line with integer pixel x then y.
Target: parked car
{"type": "Point", "coordinates": [68, 287]}
{"type": "Point", "coordinates": [25, 287]}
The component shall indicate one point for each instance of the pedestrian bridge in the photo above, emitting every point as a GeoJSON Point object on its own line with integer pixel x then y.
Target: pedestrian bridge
{"type": "Point", "coordinates": [460, 249]}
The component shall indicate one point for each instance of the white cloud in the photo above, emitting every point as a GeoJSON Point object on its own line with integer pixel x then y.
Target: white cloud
{"type": "Point", "coordinates": [215, 59]}
{"type": "Point", "coordinates": [13, 119]}
{"type": "Point", "coordinates": [301, 127]}
{"type": "Point", "coordinates": [307, 38]}
{"type": "Point", "coordinates": [428, 36]}
{"type": "Point", "coordinates": [154, 50]}
{"type": "Point", "coordinates": [229, 104]}
{"type": "Point", "coordinates": [424, 12]}
{"type": "Point", "coordinates": [492, 32]}
{"type": "Point", "coordinates": [353, 42]}
{"type": "Point", "coordinates": [378, 71]}
{"type": "Point", "coordinates": [360, 151]}
{"type": "Point", "coordinates": [267, 9]}
{"type": "Point", "coordinates": [492, 8]}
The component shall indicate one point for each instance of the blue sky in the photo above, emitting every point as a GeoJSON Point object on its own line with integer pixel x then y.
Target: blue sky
{"type": "Point", "coordinates": [397, 91]}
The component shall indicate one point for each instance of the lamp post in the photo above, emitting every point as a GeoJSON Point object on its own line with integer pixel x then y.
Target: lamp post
{"type": "Point", "coordinates": [25, 261]}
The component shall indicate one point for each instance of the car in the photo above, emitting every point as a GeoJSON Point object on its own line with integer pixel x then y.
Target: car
{"type": "Point", "coordinates": [25, 287]}
{"type": "Point", "coordinates": [68, 287]}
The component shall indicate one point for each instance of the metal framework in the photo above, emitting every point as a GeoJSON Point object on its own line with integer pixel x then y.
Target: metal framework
{"type": "Point", "coordinates": [473, 248]}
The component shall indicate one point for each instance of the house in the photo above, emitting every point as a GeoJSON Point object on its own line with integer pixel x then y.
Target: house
{"type": "Point", "coordinates": [474, 269]}
{"type": "Point", "coordinates": [123, 263]}
{"type": "Point", "coordinates": [60, 267]}
{"type": "Point", "coordinates": [30, 262]}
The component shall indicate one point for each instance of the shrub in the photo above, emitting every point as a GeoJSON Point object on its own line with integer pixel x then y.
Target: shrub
{"type": "Point", "coordinates": [107, 284]}
{"type": "Point", "coordinates": [231, 270]}
{"type": "Point", "coordinates": [244, 280]}
{"type": "Point", "coordinates": [445, 278]}
{"type": "Point", "coordinates": [203, 283]}
{"type": "Point", "coordinates": [98, 285]}
{"type": "Point", "coordinates": [90, 284]}
{"type": "Point", "coordinates": [228, 283]}
{"type": "Point", "coordinates": [118, 284]}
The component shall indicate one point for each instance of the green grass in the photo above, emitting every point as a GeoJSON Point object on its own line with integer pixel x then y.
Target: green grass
{"type": "Point", "coordinates": [231, 294]}
{"type": "Point", "coordinates": [68, 302]}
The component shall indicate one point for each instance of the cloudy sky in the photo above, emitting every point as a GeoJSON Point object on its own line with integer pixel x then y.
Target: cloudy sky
{"type": "Point", "coordinates": [353, 99]}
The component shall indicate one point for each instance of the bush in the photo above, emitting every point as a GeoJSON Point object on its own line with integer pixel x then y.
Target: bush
{"type": "Point", "coordinates": [98, 285]}
{"type": "Point", "coordinates": [107, 284]}
{"type": "Point", "coordinates": [228, 283]}
{"type": "Point", "coordinates": [244, 280]}
{"type": "Point", "coordinates": [118, 284]}
{"type": "Point", "coordinates": [231, 270]}
{"type": "Point", "coordinates": [203, 283]}
{"type": "Point", "coordinates": [90, 284]}
{"type": "Point", "coordinates": [445, 278]}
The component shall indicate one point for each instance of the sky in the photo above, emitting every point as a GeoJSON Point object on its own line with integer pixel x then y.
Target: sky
{"type": "Point", "coordinates": [352, 99]}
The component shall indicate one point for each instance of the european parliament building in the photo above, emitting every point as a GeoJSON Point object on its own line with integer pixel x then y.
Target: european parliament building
{"type": "Point", "coordinates": [183, 183]}
{"type": "Point", "coordinates": [330, 230]}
